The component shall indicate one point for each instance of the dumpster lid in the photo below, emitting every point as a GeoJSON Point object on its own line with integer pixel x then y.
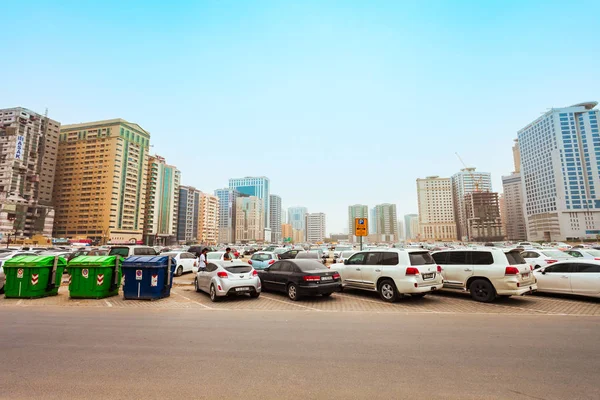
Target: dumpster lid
{"type": "Point", "coordinates": [148, 261]}
{"type": "Point", "coordinates": [92, 261]}
{"type": "Point", "coordinates": [34, 261]}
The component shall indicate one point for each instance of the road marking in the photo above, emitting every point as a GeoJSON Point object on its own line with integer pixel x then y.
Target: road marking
{"type": "Point", "coordinates": [290, 303]}
{"type": "Point", "coordinates": [108, 303]}
{"type": "Point", "coordinates": [20, 302]}
{"type": "Point", "coordinates": [193, 301]}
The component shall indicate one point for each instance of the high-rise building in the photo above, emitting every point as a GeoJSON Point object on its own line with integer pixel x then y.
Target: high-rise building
{"type": "Point", "coordinates": [355, 211]}
{"type": "Point", "coordinates": [260, 187]}
{"type": "Point", "coordinates": [315, 227]}
{"type": "Point", "coordinates": [297, 217]}
{"type": "Point", "coordinates": [400, 230]}
{"type": "Point", "coordinates": [436, 209]}
{"type": "Point", "coordinates": [514, 220]}
{"type": "Point", "coordinates": [373, 221]}
{"type": "Point", "coordinates": [28, 153]}
{"type": "Point", "coordinates": [464, 182]}
{"type": "Point", "coordinates": [187, 215]}
{"type": "Point", "coordinates": [275, 219]}
{"type": "Point", "coordinates": [386, 222]}
{"type": "Point", "coordinates": [227, 208]}
{"type": "Point", "coordinates": [162, 201]}
{"type": "Point", "coordinates": [483, 217]}
{"type": "Point", "coordinates": [286, 232]}
{"type": "Point", "coordinates": [249, 226]}
{"type": "Point", "coordinates": [560, 168]}
{"type": "Point", "coordinates": [411, 226]}
{"type": "Point", "coordinates": [298, 236]}
{"type": "Point", "coordinates": [208, 219]}
{"type": "Point", "coordinates": [100, 184]}
{"type": "Point", "coordinates": [516, 156]}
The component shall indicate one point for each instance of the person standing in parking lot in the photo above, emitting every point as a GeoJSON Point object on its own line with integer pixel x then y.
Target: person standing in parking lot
{"type": "Point", "coordinates": [202, 264]}
{"type": "Point", "coordinates": [227, 256]}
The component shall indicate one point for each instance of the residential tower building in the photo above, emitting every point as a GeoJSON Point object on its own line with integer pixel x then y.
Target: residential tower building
{"type": "Point", "coordinates": [482, 211]}
{"type": "Point", "coordinates": [187, 215]}
{"type": "Point", "coordinates": [227, 208]}
{"type": "Point", "coordinates": [385, 222]}
{"type": "Point", "coordinates": [286, 233]}
{"type": "Point", "coordinates": [297, 217]}
{"type": "Point", "coordinates": [259, 187]}
{"type": "Point", "coordinates": [208, 219]}
{"type": "Point", "coordinates": [436, 209]}
{"type": "Point", "coordinates": [464, 182]}
{"type": "Point", "coordinates": [315, 227]}
{"type": "Point", "coordinates": [250, 221]}
{"type": "Point", "coordinates": [411, 226]}
{"type": "Point", "coordinates": [275, 219]}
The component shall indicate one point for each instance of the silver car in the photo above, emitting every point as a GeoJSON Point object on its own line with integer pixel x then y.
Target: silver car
{"type": "Point", "coordinates": [228, 278]}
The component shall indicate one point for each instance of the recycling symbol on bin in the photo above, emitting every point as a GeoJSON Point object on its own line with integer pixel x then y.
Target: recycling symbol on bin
{"type": "Point", "coordinates": [85, 273]}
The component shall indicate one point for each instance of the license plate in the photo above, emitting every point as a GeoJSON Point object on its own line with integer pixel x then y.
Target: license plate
{"type": "Point", "coordinates": [428, 276]}
{"type": "Point", "coordinates": [327, 278]}
{"type": "Point", "coordinates": [241, 289]}
{"type": "Point", "coordinates": [525, 276]}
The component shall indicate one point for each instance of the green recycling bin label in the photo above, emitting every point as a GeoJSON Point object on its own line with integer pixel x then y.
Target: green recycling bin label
{"type": "Point", "coordinates": [20, 273]}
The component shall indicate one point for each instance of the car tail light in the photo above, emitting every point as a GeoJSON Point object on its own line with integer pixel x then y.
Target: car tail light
{"type": "Point", "coordinates": [336, 276]}
{"type": "Point", "coordinates": [254, 272]}
{"type": "Point", "coordinates": [222, 274]}
{"type": "Point", "coordinates": [551, 261]}
{"type": "Point", "coordinates": [439, 268]}
{"type": "Point", "coordinates": [250, 262]}
{"type": "Point", "coordinates": [311, 278]}
{"type": "Point", "coordinates": [511, 270]}
{"type": "Point", "coordinates": [271, 262]}
{"type": "Point", "coordinates": [596, 258]}
{"type": "Point", "coordinates": [531, 267]}
{"type": "Point", "coordinates": [195, 263]}
{"type": "Point", "coordinates": [412, 271]}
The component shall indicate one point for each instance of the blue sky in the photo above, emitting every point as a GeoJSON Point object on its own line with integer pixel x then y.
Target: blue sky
{"type": "Point", "coordinates": [337, 102]}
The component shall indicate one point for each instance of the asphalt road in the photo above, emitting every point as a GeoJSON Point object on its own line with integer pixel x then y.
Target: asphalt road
{"type": "Point", "coordinates": [91, 353]}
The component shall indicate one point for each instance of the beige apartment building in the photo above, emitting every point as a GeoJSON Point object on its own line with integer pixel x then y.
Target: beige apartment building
{"type": "Point", "coordinates": [208, 219]}
{"type": "Point", "coordinates": [436, 209]}
{"type": "Point", "coordinates": [100, 183]}
{"type": "Point", "coordinates": [250, 223]}
{"type": "Point", "coordinates": [286, 232]}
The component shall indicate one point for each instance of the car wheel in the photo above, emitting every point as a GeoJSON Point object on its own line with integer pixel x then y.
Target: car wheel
{"type": "Point", "coordinates": [255, 295]}
{"type": "Point", "coordinates": [418, 295]}
{"type": "Point", "coordinates": [196, 285]}
{"type": "Point", "coordinates": [213, 294]}
{"type": "Point", "coordinates": [483, 291]}
{"type": "Point", "coordinates": [387, 291]}
{"type": "Point", "coordinates": [293, 292]}
{"type": "Point", "coordinates": [326, 294]}
{"type": "Point", "coordinates": [179, 271]}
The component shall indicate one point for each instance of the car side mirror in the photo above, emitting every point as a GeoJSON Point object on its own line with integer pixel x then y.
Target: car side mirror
{"type": "Point", "coordinates": [266, 269]}
{"type": "Point", "coordinates": [543, 271]}
{"type": "Point", "coordinates": [345, 261]}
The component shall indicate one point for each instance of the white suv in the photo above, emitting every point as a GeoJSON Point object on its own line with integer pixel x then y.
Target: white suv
{"type": "Point", "coordinates": [486, 273]}
{"type": "Point", "coordinates": [393, 273]}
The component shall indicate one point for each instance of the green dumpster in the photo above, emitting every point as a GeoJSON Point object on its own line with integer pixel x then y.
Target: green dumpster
{"type": "Point", "coordinates": [94, 277]}
{"type": "Point", "coordinates": [30, 277]}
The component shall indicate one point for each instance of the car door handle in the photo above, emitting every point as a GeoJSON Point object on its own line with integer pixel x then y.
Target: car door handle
{"type": "Point", "coordinates": [358, 269]}
{"type": "Point", "coordinates": [564, 276]}
{"type": "Point", "coordinates": [468, 269]}
{"type": "Point", "coordinates": [377, 270]}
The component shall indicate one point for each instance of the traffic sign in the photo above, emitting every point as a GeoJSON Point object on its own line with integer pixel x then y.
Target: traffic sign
{"type": "Point", "coordinates": [361, 227]}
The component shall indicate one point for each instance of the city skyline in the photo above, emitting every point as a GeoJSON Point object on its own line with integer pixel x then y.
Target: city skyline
{"type": "Point", "coordinates": [344, 80]}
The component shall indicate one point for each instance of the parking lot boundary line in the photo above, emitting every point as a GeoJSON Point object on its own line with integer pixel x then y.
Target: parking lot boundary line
{"type": "Point", "coordinates": [20, 302]}
{"type": "Point", "coordinates": [293, 304]}
{"type": "Point", "coordinates": [108, 303]}
{"type": "Point", "coordinates": [193, 301]}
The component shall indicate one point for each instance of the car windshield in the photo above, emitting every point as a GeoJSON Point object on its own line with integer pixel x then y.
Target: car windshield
{"type": "Point", "coordinates": [239, 269]}
{"type": "Point", "coordinates": [343, 248]}
{"type": "Point", "coordinates": [261, 257]}
{"type": "Point", "coordinates": [514, 257]}
{"type": "Point", "coordinates": [214, 256]}
{"type": "Point", "coordinates": [555, 254]}
{"type": "Point", "coordinates": [279, 251]}
{"type": "Point", "coordinates": [346, 254]}
{"type": "Point", "coordinates": [119, 251]}
{"type": "Point", "coordinates": [420, 258]}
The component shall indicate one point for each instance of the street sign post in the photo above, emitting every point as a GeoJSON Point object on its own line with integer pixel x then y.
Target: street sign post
{"type": "Point", "coordinates": [361, 228]}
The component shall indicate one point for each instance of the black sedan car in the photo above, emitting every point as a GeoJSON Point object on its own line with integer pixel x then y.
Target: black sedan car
{"type": "Point", "coordinates": [300, 278]}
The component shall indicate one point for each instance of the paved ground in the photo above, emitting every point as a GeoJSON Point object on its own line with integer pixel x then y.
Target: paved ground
{"type": "Point", "coordinates": [125, 353]}
{"type": "Point", "coordinates": [184, 296]}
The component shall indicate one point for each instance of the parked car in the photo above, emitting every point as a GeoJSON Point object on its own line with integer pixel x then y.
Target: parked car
{"type": "Point", "coordinates": [542, 258]}
{"type": "Point", "coordinates": [128, 251]}
{"type": "Point", "coordinates": [7, 255]}
{"type": "Point", "coordinates": [311, 255]}
{"type": "Point", "coordinates": [218, 255]}
{"type": "Point", "coordinates": [579, 276]}
{"type": "Point", "coordinates": [186, 262]}
{"type": "Point", "coordinates": [290, 254]}
{"type": "Point", "coordinates": [262, 259]}
{"type": "Point", "coordinates": [529, 245]}
{"type": "Point", "coordinates": [338, 250]}
{"type": "Point", "coordinates": [486, 273]}
{"type": "Point", "coordinates": [325, 251]}
{"type": "Point", "coordinates": [392, 273]}
{"type": "Point", "coordinates": [344, 255]}
{"type": "Point", "coordinates": [280, 250]}
{"type": "Point", "coordinates": [590, 254]}
{"type": "Point", "coordinates": [227, 278]}
{"type": "Point", "coordinates": [300, 278]}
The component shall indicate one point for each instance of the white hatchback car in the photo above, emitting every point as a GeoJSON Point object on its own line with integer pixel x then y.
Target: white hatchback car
{"type": "Point", "coordinates": [391, 272]}
{"type": "Point", "coordinates": [579, 276]}
{"type": "Point", "coordinates": [486, 272]}
{"type": "Point", "coordinates": [228, 278]}
{"type": "Point", "coordinates": [545, 257]}
{"type": "Point", "coordinates": [186, 262]}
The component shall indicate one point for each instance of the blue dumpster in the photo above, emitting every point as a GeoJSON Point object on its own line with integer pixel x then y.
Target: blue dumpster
{"type": "Point", "coordinates": [146, 277]}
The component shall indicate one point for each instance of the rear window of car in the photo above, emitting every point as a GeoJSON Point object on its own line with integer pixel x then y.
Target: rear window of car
{"type": "Point", "coordinates": [239, 269]}
{"type": "Point", "coordinates": [213, 256]}
{"type": "Point", "coordinates": [310, 265]}
{"type": "Point", "coordinates": [119, 251]}
{"type": "Point", "coordinates": [144, 251]}
{"type": "Point", "coordinates": [514, 257]}
{"type": "Point", "coordinates": [308, 255]}
{"type": "Point", "coordinates": [261, 257]}
{"type": "Point", "coordinates": [421, 258]}
{"type": "Point", "coordinates": [554, 253]}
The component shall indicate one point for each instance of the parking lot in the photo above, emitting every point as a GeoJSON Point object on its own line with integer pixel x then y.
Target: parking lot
{"type": "Point", "coordinates": [183, 296]}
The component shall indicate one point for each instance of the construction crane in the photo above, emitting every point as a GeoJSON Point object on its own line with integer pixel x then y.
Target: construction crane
{"type": "Point", "coordinates": [476, 181]}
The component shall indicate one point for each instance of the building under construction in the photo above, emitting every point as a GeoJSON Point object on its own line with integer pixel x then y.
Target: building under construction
{"type": "Point", "coordinates": [482, 210]}
{"type": "Point", "coordinates": [28, 152]}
